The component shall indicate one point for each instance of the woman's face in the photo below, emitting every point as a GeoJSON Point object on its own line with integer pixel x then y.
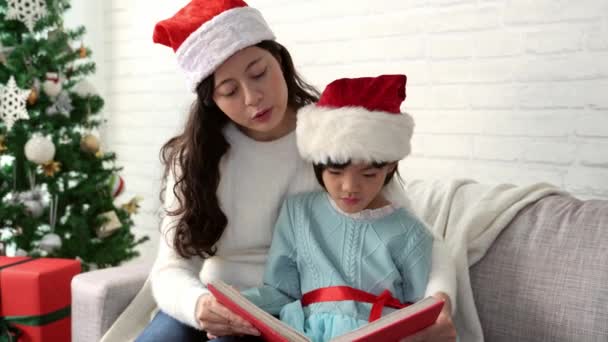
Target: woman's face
{"type": "Point", "coordinates": [357, 186]}
{"type": "Point", "coordinates": [251, 90]}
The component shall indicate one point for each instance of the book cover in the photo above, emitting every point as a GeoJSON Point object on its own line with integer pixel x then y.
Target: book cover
{"type": "Point", "coordinates": [392, 327]}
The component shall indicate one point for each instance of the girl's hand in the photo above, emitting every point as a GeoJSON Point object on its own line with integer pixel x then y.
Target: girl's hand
{"type": "Point", "coordinates": [442, 330]}
{"type": "Point", "coordinates": [217, 320]}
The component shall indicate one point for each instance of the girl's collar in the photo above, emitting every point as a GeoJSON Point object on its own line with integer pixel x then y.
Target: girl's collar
{"type": "Point", "coordinates": [365, 214]}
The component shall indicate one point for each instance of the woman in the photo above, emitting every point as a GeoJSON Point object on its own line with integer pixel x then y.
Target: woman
{"type": "Point", "coordinates": [230, 169]}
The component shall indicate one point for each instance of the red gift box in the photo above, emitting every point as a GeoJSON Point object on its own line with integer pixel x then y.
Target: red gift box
{"type": "Point", "coordinates": [35, 298]}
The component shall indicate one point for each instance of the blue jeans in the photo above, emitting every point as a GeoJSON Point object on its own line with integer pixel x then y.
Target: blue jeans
{"type": "Point", "coordinates": [166, 328]}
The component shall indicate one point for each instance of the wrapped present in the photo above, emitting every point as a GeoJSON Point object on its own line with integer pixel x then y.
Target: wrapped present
{"type": "Point", "coordinates": [35, 299]}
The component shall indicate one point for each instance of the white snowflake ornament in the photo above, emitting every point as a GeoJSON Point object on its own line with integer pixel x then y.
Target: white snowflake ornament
{"type": "Point", "coordinates": [12, 103]}
{"type": "Point", "coordinates": [26, 11]}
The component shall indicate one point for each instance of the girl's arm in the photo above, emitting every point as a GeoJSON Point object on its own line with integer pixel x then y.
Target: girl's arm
{"type": "Point", "coordinates": [281, 276]}
{"type": "Point", "coordinates": [175, 283]}
{"type": "Point", "coordinates": [414, 262]}
{"type": "Point", "coordinates": [268, 298]}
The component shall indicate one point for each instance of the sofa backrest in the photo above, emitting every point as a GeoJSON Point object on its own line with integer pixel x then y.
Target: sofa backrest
{"type": "Point", "coordinates": [545, 278]}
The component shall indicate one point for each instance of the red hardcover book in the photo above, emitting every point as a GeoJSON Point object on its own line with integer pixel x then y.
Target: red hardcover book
{"type": "Point", "coordinates": [392, 327]}
{"type": "Point", "coordinates": [35, 297]}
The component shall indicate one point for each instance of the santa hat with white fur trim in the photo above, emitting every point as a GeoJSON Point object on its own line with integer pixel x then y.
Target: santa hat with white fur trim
{"type": "Point", "coordinates": [207, 32]}
{"type": "Point", "coordinates": [356, 119]}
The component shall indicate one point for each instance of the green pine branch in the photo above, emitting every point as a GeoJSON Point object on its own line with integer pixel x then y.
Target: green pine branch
{"type": "Point", "coordinates": [82, 182]}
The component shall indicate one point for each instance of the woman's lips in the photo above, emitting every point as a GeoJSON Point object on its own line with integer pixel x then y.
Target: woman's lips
{"type": "Point", "coordinates": [263, 115]}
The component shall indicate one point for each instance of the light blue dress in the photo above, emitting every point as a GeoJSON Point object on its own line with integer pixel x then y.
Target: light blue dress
{"type": "Point", "coordinates": [315, 245]}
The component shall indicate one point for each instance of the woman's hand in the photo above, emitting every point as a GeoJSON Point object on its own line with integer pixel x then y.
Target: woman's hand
{"type": "Point", "coordinates": [442, 330]}
{"type": "Point", "coordinates": [217, 320]}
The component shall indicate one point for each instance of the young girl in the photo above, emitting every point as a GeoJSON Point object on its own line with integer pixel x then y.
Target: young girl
{"type": "Point", "coordinates": [227, 174]}
{"type": "Point", "coordinates": [333, 248]}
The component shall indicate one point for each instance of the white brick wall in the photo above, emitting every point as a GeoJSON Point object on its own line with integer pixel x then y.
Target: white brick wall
{"type": "Point", "coordinates": [502, 90]}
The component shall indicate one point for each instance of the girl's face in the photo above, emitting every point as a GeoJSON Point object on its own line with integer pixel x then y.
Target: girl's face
{"type": "Point", "coordinates": [357, 186]}
{"type": "Point", "coordinates": [251, 90]}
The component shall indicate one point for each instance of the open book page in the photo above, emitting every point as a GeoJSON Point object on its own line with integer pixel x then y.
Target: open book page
{"type": "Point", "coordinates": [392, 327]}
{"type": "Point", "coordinates": [397, 324]}
{"type": "Point", "coordinates": [271, 328]}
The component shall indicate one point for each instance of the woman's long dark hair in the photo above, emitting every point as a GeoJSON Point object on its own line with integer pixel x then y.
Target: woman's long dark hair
{"type": "Point", "coordinates": [193, 157]}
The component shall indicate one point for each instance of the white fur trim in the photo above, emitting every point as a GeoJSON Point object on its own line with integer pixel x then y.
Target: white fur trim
{"type": "Point", "coordinates": [218, 39]}
{"type": "Point", "coordinates": [352, 133]}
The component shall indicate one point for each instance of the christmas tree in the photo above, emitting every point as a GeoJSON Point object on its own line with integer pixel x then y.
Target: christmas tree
{"type": "Point", "coordinates": [58, 188]}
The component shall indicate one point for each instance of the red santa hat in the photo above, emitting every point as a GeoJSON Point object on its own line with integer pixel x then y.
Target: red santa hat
{"type": "Point", "coordinates": [207, 32]}
{"type": "Point", "coordinates": [356, 119]}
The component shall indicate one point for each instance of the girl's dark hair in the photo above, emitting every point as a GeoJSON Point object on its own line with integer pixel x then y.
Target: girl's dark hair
{"type": "Point", "coordinates": [193, 157]}
{"type": "Point", "coordinates": [319, 168]}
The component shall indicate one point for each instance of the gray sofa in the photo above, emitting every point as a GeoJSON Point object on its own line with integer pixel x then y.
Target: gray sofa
{"type": "Point", "coordinates": [544, 279]}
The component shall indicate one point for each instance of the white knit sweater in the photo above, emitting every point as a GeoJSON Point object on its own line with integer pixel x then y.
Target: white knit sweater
{"type": "Point", "coordinates": [255, 179]}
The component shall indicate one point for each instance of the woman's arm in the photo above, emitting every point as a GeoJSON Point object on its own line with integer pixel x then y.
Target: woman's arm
{"type": "Point", "coordinates": [175, 283]}
{"type": "Point", "coordinates": [282, 286]}
{"type": "Point", "coordinates": [179, 291]}
{"type": "Point", "coordinates": [442, 331]}
{"type": "Point", "coordinates": [442, 285]}
{"type": "Point", "coordinates": [443, 276]}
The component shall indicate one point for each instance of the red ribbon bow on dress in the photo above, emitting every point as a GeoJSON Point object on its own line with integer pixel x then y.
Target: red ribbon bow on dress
{"type": "Point", "coordinates": [338, 293]}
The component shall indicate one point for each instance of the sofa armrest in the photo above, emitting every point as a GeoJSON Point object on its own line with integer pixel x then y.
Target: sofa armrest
{"type": "Point", "coordinates": [98, 298]}
{"type": "Point", "coordinates": [541, 279]}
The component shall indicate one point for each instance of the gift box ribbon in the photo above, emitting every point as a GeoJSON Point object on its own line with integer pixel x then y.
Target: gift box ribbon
{"type": "Point", "coordinates": [10, 333]}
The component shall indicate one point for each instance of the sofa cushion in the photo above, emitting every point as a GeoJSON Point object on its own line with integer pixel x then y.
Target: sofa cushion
{"type": "Point", "coordinates": [546, 276]}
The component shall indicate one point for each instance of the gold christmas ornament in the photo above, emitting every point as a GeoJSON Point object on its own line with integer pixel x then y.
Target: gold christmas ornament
{"type": "Point", "coordinates": [3, 147]}
{"type": "Point", "coordinates": [89, 143]}
{"type": "Point", "coordinates": [50, 168]}
{"type": "Point", "coordinates": [83, 51]}
{"type": "Point", "coordinates": [111, 224]}
{"type": "Point", "coordinates": [33, 98]}
{"type": "Point", "coordinates": [132, 207]}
